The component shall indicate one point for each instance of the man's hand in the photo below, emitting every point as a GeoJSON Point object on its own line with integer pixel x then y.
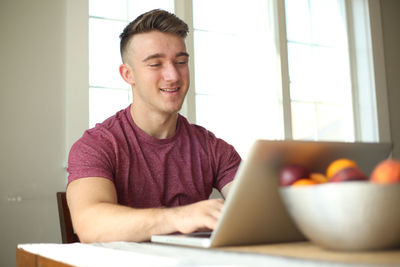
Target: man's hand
{"type": "Point", "coordinates": [199, 216]}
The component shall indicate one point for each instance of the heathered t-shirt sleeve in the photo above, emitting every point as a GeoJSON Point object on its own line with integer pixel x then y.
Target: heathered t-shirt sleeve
{"type": "Point", "coordinates": [91, 156]}
{"type": "Point", "coordinates": [227, 162]}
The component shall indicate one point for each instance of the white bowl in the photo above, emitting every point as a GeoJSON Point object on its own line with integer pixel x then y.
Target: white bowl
{"type": "Point", "coordinates": [347, 215]}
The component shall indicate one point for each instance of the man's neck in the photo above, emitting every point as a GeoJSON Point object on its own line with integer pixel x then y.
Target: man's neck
{"type": "Point", "coordinates": [157, 125]}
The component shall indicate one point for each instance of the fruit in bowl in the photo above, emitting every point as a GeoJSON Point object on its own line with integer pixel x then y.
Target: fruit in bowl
{"type": "Point", "coordinates": [344, 213]}
{"type": "Point", "coordinates": [318, 178]}
{"type": "Point", "coordinates": [348, 216]}
{"type": "Point", "coordinates": [304, 182]}
{"type": "Point", "coordinates": [291, 173]}
{"type": "Point", "coordinates": [386, 172]}
{"type": "Point", "coordinates": [343, 169]}
{"type": "Point", "coordinates": [348, 174]}
{"type": "Point", "coordinates": [339, 164]}
{"type": "Point", "coordinates": [340, 170]}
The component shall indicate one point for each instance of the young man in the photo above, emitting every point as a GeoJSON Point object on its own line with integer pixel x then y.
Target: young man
{"type": "Point", "coordinates": [147, 170]}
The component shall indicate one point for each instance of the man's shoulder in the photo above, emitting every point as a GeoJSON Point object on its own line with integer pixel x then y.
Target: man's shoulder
{"type": "Point", "coordinates": [196, 129]}
{"type": "Point", "coordinates": [115, 122]}
{"type": "Point", "coordinates": [107, 131]}
{"type": "Point", "coordinates": [200, 134]}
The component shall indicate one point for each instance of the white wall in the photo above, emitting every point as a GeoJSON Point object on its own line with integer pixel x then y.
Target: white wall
{"type": "Point", "coordinates": [32, 121]}
{"type": "Point", "coordinates": [35, 72]}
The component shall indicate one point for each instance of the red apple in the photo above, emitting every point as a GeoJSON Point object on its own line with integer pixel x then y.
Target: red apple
{"type": "Point", "coordinates": [292, 173]}
{"type": "Point", "coordinates": [348, 174]}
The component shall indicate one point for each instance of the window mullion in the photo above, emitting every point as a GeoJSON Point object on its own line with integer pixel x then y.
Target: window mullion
{"type": "Point", "coordinates": [284, 67]}
{"type": "Point", "coordinates": [184, 10]}
{"type": "Point", "coordinates": [353, 72]}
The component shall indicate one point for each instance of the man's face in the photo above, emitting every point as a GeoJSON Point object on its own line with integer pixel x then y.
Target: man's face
{"type": "Point", "coordinates": [159, 64]}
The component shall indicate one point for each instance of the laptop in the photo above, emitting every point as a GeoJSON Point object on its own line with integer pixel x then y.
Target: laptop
{"type": "Point", "coordinates": [253, 212]}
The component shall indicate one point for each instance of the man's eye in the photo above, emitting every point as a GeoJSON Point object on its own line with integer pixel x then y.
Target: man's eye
{"type": "Point", "coordinates": [153, 65]}
{"type": "Point", "coordinates": [183, 62]}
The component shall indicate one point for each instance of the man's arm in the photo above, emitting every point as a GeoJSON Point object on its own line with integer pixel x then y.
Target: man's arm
{"type": "Point", "coordinates": [97, 217]}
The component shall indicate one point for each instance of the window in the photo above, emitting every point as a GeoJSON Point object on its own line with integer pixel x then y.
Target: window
{"type": "Point", "coordinates": [108, 93]}
{"type": "Point", "coordinates": [319, 71]}
{"type": "Point", "coordinates": [284, 69]}
{"type": "Point", "coordinates": [272, 69]}
{"type": "Point", "coordinates": [237, 81]}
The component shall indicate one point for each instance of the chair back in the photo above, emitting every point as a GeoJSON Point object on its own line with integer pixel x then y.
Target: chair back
{"type": "Point", "coordinates": [67, 231]}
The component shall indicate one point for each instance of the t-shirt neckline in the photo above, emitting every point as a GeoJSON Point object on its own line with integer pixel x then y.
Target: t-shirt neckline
{"type": "Point", "coordinates": [148, 138]}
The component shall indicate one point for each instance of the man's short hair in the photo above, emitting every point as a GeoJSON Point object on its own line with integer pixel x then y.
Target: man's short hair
{"type": "Point", "coordinates": [154, 20]}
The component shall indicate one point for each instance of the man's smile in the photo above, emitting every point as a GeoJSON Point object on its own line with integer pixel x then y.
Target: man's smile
{"type": "Point", "coordinates": [170, 90]}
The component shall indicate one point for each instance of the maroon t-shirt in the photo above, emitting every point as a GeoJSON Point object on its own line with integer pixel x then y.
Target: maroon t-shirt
{"type": "Point", "coordinates": [150, 172]}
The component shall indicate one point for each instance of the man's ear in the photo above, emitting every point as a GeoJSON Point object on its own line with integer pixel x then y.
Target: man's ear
{"type": "Point", "coordinates": [126, 73]}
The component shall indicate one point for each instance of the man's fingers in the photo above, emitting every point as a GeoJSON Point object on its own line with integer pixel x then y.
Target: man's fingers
{"type": "Point", "coordinates": [200, 215]}
{"type": "Point", "coordinates": [212, 212]}
{"type": "Point", "coordinates": [210, 223]}
{"type": "Point", "coordinates": [216, 212]}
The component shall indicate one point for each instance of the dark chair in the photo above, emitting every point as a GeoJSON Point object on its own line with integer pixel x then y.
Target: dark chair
{"type": "Point", "coordinates": [67, 231]}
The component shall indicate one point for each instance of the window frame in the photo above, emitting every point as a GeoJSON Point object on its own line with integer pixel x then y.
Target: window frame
{"type": "Point", "coordinates": [77, 68]}
{"type": "Point", "coordinates": [356, 12]}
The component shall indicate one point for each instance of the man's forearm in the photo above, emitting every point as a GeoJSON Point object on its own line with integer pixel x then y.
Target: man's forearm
{"type": "Point", "coordinates": [97, 217]}
{"type": "Point", "coordinates": [104, 222]}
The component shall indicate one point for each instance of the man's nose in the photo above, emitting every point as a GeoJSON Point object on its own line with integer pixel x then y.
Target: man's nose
{"type": "Point", "coordinates": [170, 73]}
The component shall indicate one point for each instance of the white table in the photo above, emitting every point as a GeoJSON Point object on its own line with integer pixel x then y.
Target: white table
{"type": "Point", "coordinates": [118, 254]}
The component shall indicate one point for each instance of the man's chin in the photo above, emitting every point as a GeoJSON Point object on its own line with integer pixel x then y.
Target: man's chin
{"type": "Point", "coordinates": [170, 111]}
{"type": "Point", "coordinates": [175, 109]}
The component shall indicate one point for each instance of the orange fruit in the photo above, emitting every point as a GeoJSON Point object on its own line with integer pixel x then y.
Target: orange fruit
{"type": "Point", "coordinates": [338, 165]}
{"type": "Point", "coordinates": [386, 172]}
{"type": "Point", "coordinates": [304, 182]}
{"type": "Point", "coordinates": [319, 178]}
